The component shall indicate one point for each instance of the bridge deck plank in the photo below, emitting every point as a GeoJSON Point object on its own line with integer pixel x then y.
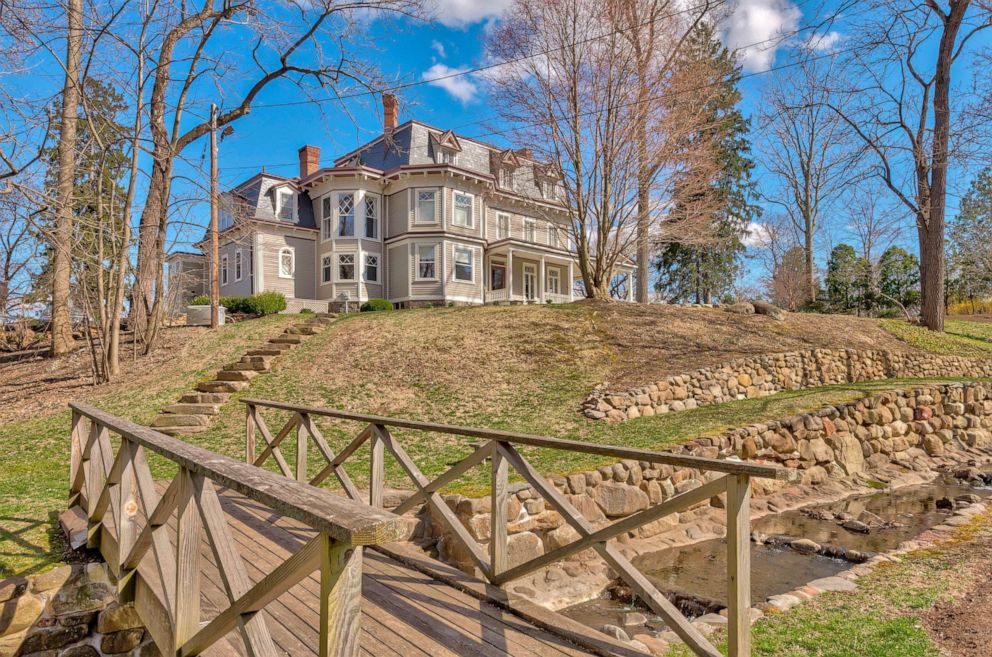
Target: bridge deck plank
{"type": "Point", "coordinates": [405, 613]}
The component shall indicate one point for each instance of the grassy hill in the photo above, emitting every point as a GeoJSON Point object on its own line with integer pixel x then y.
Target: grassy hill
{"type": "Point", "coordinates": [524, 368]}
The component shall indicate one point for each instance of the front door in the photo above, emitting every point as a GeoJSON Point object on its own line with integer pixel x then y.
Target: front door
{"type": "Point", "coordinates": [530, 282]}
{"type": "Point", "coordinates": [497, 276]}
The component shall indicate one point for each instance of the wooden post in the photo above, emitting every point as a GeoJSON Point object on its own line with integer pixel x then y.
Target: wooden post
{"type": "Point", "coordinates": [739, 565]}
{"type": "Point", "coordinates": [249, 434]}
{"type": "Point", "coordinates": [214, 235]}
{"type": "Point", "coordinates": [186, 615]}
{"type": "Point", "coordinates": [498, 511]}
{"type": "Point", "coordinates": [77, 470]}
{"type": "Point", "coordinates": [127, 532]}
{"type": "Point", "coordinates": [377, 470]}
{"type": "Point", "coordinates": [95, 478]}
{"type": "Point", "coordinates": [340, 598]}
{"type": "Point", "coordinates": [301, 450]}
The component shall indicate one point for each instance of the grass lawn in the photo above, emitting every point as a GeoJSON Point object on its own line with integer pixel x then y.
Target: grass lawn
{"type": "Point", "coordinates": [891, 614]}
{"type": "Point", "coordinates": [961, 337]}
{"type": "Point", "coordinates": [521, 368]}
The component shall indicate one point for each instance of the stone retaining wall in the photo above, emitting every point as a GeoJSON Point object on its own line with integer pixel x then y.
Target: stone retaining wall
{"type": "Point", "coordinates": [757, 376]}
{"type": "Point", "coordinates": [907, 429]}
{"type": "Point", "coordinates": [70, 611]}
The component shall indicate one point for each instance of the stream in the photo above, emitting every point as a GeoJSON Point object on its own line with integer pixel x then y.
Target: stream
{"type": "Point", "coordinates": [694, 576]}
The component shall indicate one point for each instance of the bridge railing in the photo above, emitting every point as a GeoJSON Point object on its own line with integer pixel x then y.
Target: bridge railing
{"type": "Point", "coordinates": [128, 520]}
{"type": "Point", "coordinates": [499, 451]}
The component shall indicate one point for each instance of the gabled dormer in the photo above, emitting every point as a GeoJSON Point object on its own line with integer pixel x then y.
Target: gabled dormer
{"type": "Point", "coordinates": [548, 179]}
{"type": "Point", "coordinates": [504, 163]}
{"type": "Point", "coordinates": [445, 147]}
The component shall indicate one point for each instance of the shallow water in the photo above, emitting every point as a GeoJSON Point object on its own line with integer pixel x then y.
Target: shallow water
{"type": "Point", "coordinates": [700, 569]}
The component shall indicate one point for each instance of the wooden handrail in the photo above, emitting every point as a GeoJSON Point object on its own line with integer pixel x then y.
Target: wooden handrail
{"type": "Point", "coordinates": [343, 519]}
{"type": "Point", "coordinates": [500, 451]}
{"type": "Point", "coordinates": [613, 451]}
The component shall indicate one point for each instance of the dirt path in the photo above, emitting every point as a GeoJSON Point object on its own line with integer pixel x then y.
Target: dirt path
{"type": "Point", "coordinates": [962, 627]}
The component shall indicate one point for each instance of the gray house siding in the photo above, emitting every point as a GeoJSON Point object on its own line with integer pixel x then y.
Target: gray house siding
{"type": "Point", "coordinates": [303, 283]}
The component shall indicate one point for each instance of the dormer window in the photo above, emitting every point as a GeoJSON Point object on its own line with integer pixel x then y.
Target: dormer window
{"type": "Point", "coordinates": [446, 156]}
{"type": "Point", "coordinates": [548, 189]}
{"type": "Point", "coordinates": [506, 178]}
{"type": "Point", "coordinates": [285, 204]}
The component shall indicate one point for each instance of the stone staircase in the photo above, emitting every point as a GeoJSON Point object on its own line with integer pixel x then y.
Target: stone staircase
{"type": "Point", "coordinates": [195, 411]}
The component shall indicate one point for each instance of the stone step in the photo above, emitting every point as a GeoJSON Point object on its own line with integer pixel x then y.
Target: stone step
{"type": "Point", "coordinates": [246, 367]}
{"type": "Point", "coordinates": [312, 329]}
{"type": "Point", "coordinates": [182, 431]}
{"type": "Point", "coordinates": [236, 375]}
{"type": "Point", "coordinates": [286, 339]}
{"type": "Point", "coordinates": [221, 386]}
{"type": "Point", "coordinates": [257, 358]}
{"type": "Point", "coordinates": [171, 420]}
{"type": "Point", "coordinates": [205, 398]}
{"type": "Point", "coordinates": [269, 353]}
{"type": "Point", "coordinates": [193, 409]}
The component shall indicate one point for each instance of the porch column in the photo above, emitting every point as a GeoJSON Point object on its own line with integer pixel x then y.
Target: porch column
{"type": "Point", "coordinates": [542, 283]}
{"type": "Point", "coordinates": [630, 286]}
{"type": "Point", "coordinates": [571, 282]}
{"type": "Point", "coordinates": [509, 274]}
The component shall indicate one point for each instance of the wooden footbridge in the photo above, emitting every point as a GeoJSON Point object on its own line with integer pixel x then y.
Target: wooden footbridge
{"type": "Point", "coordinates": [228, 558]}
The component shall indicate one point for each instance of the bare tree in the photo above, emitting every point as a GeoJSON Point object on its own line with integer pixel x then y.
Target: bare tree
{"type": "Point", "coordinates": [190, 52]}
{"type": "Point", "coordinates": [900, 109]}
{"type": "Point", "coordinates": [875, 224]}
{"type": "Point", "coordinates": [805, 148]}
{"type": "Point", "coordinates": [61, 239]}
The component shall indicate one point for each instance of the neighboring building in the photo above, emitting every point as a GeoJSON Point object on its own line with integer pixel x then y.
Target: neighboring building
{"type": "Point", "coordinates": [186, 276]}
{"type": "Point", "coordinates": [417, 216]}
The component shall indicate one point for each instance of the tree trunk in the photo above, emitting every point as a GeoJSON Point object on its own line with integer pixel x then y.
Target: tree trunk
{"type": "Point", "coordinates": [808, 248]}
{"type": "Point", "coordinates": [150, 244]}
{"type": "Point", "coordinates": [62, 340]}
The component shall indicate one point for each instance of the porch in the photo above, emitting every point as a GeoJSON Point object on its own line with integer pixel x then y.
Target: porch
{"type": "Point", "coordinates": [528, 276]}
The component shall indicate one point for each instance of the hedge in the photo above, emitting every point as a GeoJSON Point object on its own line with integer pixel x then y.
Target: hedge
{"type": "Point", "coordinates": [373, 305]}
{"type": "Point", "coordinates": [263, 303]}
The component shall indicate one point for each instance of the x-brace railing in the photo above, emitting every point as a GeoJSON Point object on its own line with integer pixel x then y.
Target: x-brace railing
{"type": "Point", "coordinates": [500, 450]}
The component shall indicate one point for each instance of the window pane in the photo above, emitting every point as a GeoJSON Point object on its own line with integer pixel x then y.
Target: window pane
{"type": "Point", "coordinates": [463, 264]}
{"type": "Point", "coordinates": [463, 210]}
{"type": "Point", "coordinates": [371, 216]}
{"type": "Point", "coordinates": [325, 217]}
{"type": "Point", "coordinates": [425, 261]}
{"type": "Point", "coordinates": [346, 215]}
{"type": "Point", "coordinates": [286, 262]}
{"type": "Point", "coordinates": [425, 206]}
{"type": "Point", "coordinates": [502, 226]}
{"type": "Point", "coordinates": [325, 269]}
{"type": "Point", "coordinates": [346, 267]}
{"type": "Point", "coordinates": [371, 268]}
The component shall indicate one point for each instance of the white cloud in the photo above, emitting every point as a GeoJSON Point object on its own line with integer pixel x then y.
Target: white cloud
{"type": "Point", "coordinates": [825, 43]}
{"type": "Point", "coordinates": [438, 47]}
{"type": "Point", "coordinates": [461, 13]}
{"type": "Point", "coordinates": [462, 87]}
{"type": "Point", "coordinates": [755, 30]}
{"type": "Point", "coordinates": [757, 235]}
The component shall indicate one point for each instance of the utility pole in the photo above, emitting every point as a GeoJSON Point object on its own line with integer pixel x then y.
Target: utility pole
{"type": "Point", "coordinates": [214, 238]}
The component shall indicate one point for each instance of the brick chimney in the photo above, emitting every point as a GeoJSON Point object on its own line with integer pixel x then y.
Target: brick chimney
{"type": "Point", "coordinates": [390, 113]}
{"type": "Point", "coordinates": [309, 160]}
{"type": "Point", "coordinates": [525, 153]}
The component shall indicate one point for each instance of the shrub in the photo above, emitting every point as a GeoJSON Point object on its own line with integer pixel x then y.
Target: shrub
{"type": "Point", "coordinates": [200, 300]}
{"type": "Point", "coordinates": [306, 311]}
{"type": "Point", "coordinates": [264, 303]}
{"type": "Point", "coordinates": [373, 305]}
{"type": "Point", "coordinates": [970, 307]}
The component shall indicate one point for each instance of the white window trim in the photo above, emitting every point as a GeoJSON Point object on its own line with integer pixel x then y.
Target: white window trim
{"type": "Point", "coordinates": [416, 205]}
{"type": "Point", "coordinates": [292, 253]}
{"type": "Point", "coordinates": [441, 151]}
{"type": "Point", "coordinates": [329, 198]}
{"type": "Point", "coordinates": [296, 205]}
{"type": "Point", "coordinates": [530, 223]}
{"type": "Point", "coordinates": [471, 209]}
{"type": "Point", "coordinates": [552, 273]}
{"type": "Point", "coordinates": [239, 265]}
{"type": "Point", "coordinates": [365, 267]}
{"type": "Point", "coordinates": [354, 215]}
{"type": "Point", "coordinates": [224, 275]}
{"type": "Point", "coordinates": [378, 215]}
{"type": "Point", "coordinates": [509, 225]}
{"type": "Point", "coordinates": [330, 267]}
{"type": "Point", "coordinates": [454, 263]}
{"type": "Point", "coordinates": [337, 269]}
{"type": "Point", "coordinates": [529, 268]}
{"type": "Point", "coordinates": [416, 260]}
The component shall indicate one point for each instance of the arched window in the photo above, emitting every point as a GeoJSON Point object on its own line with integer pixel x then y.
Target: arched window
{"type": "Point", "coordinates": [287, 262]}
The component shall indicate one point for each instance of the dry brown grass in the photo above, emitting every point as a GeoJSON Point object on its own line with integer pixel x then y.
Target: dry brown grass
{"type": "Point", "coordinates": [653, 341]}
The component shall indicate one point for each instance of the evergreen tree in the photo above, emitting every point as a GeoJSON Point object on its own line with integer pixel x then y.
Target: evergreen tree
{"type": "Point", "coordinates": [899, 277]}
{"type": "Point", "coordinates": [969, 257]}
{"type": "Point", "coordinates": [848, 280]}
{"type": "Point", "coordinates": [704, 272]}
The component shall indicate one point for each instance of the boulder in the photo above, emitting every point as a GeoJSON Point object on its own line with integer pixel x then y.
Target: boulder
{"type": "Point", "coordinates": [118, 617]}
{"type": "Point", "coordinates": [521, 548]}
{"type": "Point", "coordinates": [933, 445]}
{"type": "Point", "coordinates": [116, 643]}
{"type": "Point", "coordinates": [765, 308]}
{"type": "Point", "coordinates": [848, 453]}
{"type": "Point", "coordinates": [805, 546]}
{"type": "Point", "coordinates": [615, 632]}
{"type": "Point", "coordinates": [618, 500]}
{"type": "Point", "coordinates": [19, 614]}
{"type": "Point", "coordinates": [741, 308]}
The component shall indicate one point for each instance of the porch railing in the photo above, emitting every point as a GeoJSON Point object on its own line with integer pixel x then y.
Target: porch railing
{"type": "Point", "coordinates": [167, 592]}
{"type": "Point", "coordinates": [497, 295]}
{"type": "Point", "coordinates": [500, 450]}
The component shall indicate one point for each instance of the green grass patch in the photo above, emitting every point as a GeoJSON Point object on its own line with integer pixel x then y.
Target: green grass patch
{"type": "Point", "coordinates": [961, 338]}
